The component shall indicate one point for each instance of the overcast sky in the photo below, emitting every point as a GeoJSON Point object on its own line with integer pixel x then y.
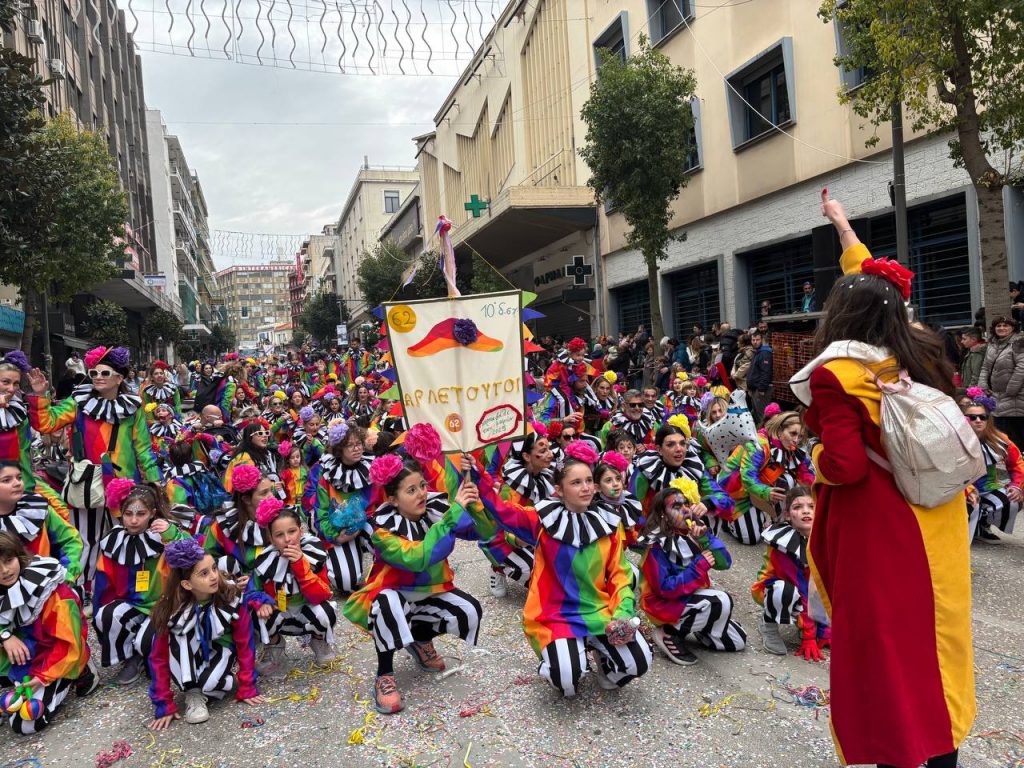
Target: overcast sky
{"type": "Point", "coordinates": [284, 178]}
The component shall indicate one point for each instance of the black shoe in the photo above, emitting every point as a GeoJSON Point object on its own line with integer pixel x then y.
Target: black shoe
{"type": "Point", "coordinates": [985, 533]}
{"type": "Point", "coordinates": [87, 682]}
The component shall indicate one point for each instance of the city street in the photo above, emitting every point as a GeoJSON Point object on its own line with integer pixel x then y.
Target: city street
{"type": "Point", "coordinates": [729, 710]}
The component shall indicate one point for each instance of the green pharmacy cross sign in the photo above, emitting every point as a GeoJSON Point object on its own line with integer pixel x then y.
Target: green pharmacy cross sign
{"type": "Point", "coordinates": [476, 205]}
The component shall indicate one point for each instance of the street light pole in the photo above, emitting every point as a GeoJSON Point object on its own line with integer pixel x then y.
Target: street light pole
{"type": "Point", "coordinates": [899, 185]}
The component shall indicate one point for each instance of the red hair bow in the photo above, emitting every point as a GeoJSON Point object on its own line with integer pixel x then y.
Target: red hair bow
{"type": "Point", "coordinates": [891, 271]}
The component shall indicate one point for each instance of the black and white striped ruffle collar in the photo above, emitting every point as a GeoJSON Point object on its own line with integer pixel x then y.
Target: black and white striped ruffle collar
{"type": "Point", "coordinates": [169, 430]}
{"type": "Point", "coordinates": [659, 474]}
{"type": "Point", "coordinates": [345, 478]}
{"type": "Point", "coordinates": [187, 470]}
{"type": "Point", "coordinates": [28, 517]}
{"type": "Point", "coordinates": [272, 566]}
{"type": "Point", "coordinates": [357, 409]}
{"type": "Point", "coordinates": [390, 519]}
{"type": "Point", "coordinates": [577, 529]}
{"type": "Point", "coordinates": [536, 487]}
{"type": "Point", "coordinates": [22, 602]}
{"type": "Point", "coordinates": [161, 394]}
{"type": "Point", "coordinates": [252, 534]}
{"type": "Point", "coordinates": [121, 408]}
{"type": "Point", "coordinates": [638, 429]}
{"type": "Point", "coordinates": [129, 549]}
{"type": "Point", "coordinates": [785, 538]}
{"type": "Point", "coordinates": [13, 415]}
{"type": "Point", "coordinates": [629, 510]}
{"type": "Point", "coordinates": [680, 549]}
{"type": "Point", "coordinates": [300, 437]}
{"type": "Point", "coordinates": [791, 460]}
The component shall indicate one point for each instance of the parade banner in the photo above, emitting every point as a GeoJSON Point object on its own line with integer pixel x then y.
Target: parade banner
{"type": "Point", "coordinates": [459, 364]}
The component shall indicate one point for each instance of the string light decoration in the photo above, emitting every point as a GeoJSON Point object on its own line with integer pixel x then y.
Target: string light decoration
{"type": "Point", "coordinates": [368, 37]}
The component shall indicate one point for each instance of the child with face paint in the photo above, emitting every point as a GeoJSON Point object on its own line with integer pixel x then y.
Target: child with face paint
{"type": "Point", "coordinates": [675, 588]}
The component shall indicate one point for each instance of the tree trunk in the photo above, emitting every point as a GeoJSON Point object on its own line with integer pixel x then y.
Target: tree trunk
{"type": "Point", "coordinates": [29, 303]}
{"type": "Point", "coordinates": [988, 183]}
{"type": "Point", "coordinates": [653, 289]}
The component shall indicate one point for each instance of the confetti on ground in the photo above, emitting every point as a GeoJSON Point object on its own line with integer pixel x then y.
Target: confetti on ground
{"type": "Point", "coordinates": [120, 751]}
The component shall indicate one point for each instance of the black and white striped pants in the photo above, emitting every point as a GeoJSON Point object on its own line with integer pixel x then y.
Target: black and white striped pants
{"type": "Point", "coordinates": [52, 696]}
{"type": "Point", "coordinates": [345, 566]}
{"type": "Point", "coordinates": [563, 662]}
{"type": "Point", "coordinates": [998, 510]}
{"type": "Point", "coordinates": [211, 676]}
{"type": "Point", "coordinates": [518, 565]}
{"type": "Point", "coordinates": [747, 528]}
{"type": "Point", "coordinates": [708, 616]}
{"type": "Point", "coordinates": [118, 625]}
{"type": "Point", "coordinates": [308, 619]}
{"type": "Point", "coordinates": [782, 603]}
{"type": "Point", "coordinates": [393, 615]}
{"type": "Point", "coordinates": [92, 525]}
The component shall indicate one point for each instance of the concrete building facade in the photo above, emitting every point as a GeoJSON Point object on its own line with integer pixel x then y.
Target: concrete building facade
{"type": "Point", "coordinates": [769, 133]}
{"type": "Point", "coordinates": [255, 297]}
{"type": "Point", "coordinates": [376, 195]}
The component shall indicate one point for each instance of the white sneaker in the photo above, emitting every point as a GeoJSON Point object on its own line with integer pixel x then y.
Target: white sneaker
{"type": "Point", "coordinates": [323, 653]}
{"type": "Point", "coordinates": [499, 584]}
{"type": "Point", "coordinates": [195, 708]}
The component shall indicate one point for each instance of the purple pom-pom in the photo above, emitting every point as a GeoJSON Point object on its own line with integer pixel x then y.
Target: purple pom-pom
{"type": "Point", "coordinates": [183, 554]}
{"type": "Point", "coordinates": [465, 331]}
{"type": "Point", "coordinates": [337, 432]}
{"type": "Point", "coordinates": [17, 358]}
{"type": "Point", "coordinates": [306, 413]}
{"type": "Point", "coordinates": [119, 357]}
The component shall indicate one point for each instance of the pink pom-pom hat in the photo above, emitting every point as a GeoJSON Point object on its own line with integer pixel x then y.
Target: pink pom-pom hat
{"type": "Point", "coordinates": [267, 511]}
{"type": "Point", "coordinates": [615, 460]}
{"type": "Point", "coordinates": [384, 469]}
{"type": "Point", "coordinates": [245, 477]}
{"type": "Point", "coordinates": [581, 451]}
{"type": "Point", "coordinates": [118, 490]}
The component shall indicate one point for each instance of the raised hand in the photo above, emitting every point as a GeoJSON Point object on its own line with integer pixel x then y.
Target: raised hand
{"type": "Point", "coordinates": [37, 379]}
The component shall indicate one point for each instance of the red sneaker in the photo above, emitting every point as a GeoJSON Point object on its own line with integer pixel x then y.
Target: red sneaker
{"type": "Point", "coordinates": [426, 656]}
{"type": "Point", "coordinates": [386, 698]}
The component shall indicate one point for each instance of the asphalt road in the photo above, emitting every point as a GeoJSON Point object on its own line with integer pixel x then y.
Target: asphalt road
{"type": "Point", "coordinates": [729, 710]}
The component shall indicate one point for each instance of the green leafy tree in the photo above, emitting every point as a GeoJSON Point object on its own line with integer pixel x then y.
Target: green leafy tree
{"type": "Point", "coordinates": [61, 227]}
{"type": "Point", "coordinates": [320, 317]}
{"type": "Point", "coordinates": [223, 339]}
{"type": "Point", "coordinates": [299, 337]}
{"type": "Point", "coordinates": [954, 66]}
{"type": "Point", "coordinates": [485, 278]}
{"type": "Point", "coordinates": [186, 351]}
{"type": "Point", "coordinates": [379, 273]}
{"type": "Point", "coordinates": [162, 324]}
{"type": "Point", "coordinates": [107, 323]}
{"type": "Point", "coordinates": [639, 122]}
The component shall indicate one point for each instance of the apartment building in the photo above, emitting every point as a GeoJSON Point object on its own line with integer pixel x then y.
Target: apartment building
{"type": "Point", "coordinates": [180, 231]}
{"type": "Point", "coordinates": [509, 130]}
{"type": "Point", "coordinates": [255, 297]}
{"type": "Point", "coordinates": [376, 195]}
{"type": "Point", "coordinates": [87, 52]}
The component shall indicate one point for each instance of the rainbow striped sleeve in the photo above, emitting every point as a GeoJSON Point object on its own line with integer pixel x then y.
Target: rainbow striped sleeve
{"type": "Point", "coordinates": [65, 544]}
{"type": "Point", "coordinates": [145, 458]}
{"type": "Point", "coordinates": [244, 640]}
{"type": "Point", "coordinates": [666, 580]}
{"type": "Point", "coordinates": [160, 692]}
{"type": "Point", "coordinates": [61, 650]}
{"type": "Point", "coordinates": [518, 519]}
{"type": "Point", "coordinates": [46, 418]}
{"type": "Point", "coordinates": [419, 555]}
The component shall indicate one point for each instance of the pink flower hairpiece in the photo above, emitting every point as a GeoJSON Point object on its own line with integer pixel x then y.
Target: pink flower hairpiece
{"type": "Point", "coordinates": [772, 409]}
{"type": "Point", "coordinates": [385, 468]}
{"type": "Point", "coordinates": [284, 449]}
{"type": "Point", "coordinates": [701, 381]}
{"type": "Point", "coordinates": [245, 477]}
{"type": "Point", "coordinates": [582, 451]}
{"type": "Point", "coordinates": [267, 511]}
{"type": "Point", "coordinates": [423, 443]}
{"type": "Point", "coordinates": [118, 490]}
{"type": "Point", "coordinates": [615, 460]}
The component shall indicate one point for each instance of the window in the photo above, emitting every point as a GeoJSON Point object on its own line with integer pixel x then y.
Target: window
{"type": "Point", "coordinates": [760, 94]}
{"type": "Point", "coordinates": [851, 78]}
{"type": "Point", "coordinates": [777, 275]}
{"type": "Point", "coordinates": [695, 158]}
{"type": "Point", "coordinates": [614, 39]}
{"type": "Point", "coordinates": [665, 16]}
{"type": "Point", "coordinates": [634, 306]}
{"type": "Point", "coordinates": [695, 299]}
{"type": "Point", "coordinates": [392, 200]}
{"type": "Point", "coordinates": [937, 234]}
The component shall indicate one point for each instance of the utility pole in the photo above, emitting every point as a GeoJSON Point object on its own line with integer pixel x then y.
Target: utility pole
{"type": "Point", "coordinates": [899, 186]}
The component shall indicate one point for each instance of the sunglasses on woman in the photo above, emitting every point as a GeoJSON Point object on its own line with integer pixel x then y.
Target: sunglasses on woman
{"type": "Point", "coordinates": [261, 433]}
{"type": "Point", "coordinates": [976, 417]}
{"type": "Point", "coordinates": [104, 374]}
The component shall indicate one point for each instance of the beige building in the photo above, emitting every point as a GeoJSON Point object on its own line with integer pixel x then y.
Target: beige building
{"type": "Point", "coordinates": [376, 195]}
{"type": "Point", "coordinates": [255, 298]}
{"type": "Point", "coordinates": [769, 133]}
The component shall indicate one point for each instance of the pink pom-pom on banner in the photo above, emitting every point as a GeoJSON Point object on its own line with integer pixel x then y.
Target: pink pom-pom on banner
{"type": "Point", "coordinates": [772, 409]}
{"type": "Point", "coordinates": [615, 460]}
{"type": "Point", "coordinates": [423, 443]}
{"type": "Point", "coordinates": [245, 477]}
{"type": "Point", "coordinates": [118, 490]}
{"type": "Point", "coordinates": [581, 451]}
{"type": "Point", "coordinates": [384, 469]}
{"type": "Point", "coordinates": [94, 355]}
{"type": "Point", "coordinates": [267, 511]}
{"type": "Point", "coordinates": [284, 449]}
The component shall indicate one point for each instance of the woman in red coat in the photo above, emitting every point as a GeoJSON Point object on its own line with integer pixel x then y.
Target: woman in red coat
{"type": "Point", "coordinates": [894, 577]}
